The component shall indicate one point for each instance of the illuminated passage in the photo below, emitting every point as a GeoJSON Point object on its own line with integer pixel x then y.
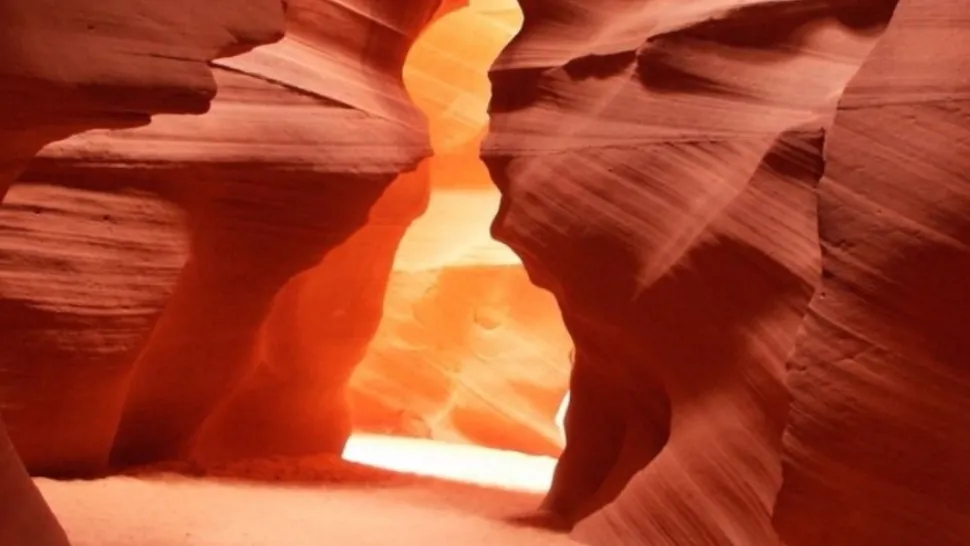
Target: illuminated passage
{"type": "Point", "coordinates": [469, 353]}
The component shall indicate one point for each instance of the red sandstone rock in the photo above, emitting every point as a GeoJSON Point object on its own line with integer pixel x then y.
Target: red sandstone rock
{"type": "Point", "coordinates": [879, 432]}
{"type": "Point", "coordinates": [658, 164]}
{"type": "Point", "coordinates": [25, 518]}
{"type": "Point", "coordinates": [85, 265]}
{"type": "Point", "coordinates": [297, 147]}
{"type": "Point", "coordinates": [65, 68]}
{"type": "Point", "coordinates": [317, 331]}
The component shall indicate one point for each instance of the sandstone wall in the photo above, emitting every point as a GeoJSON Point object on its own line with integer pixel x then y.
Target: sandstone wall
{"type": "Point", "coordinates": [659, 164]}
{"type": "Point", "coordinates": [879, 430]}
{"type": "Point", "coordinates": [762, 265]}
{"type": "Point", "coordinates": [69, 67]}
{"type": "Point", "coordinates": [73, 66]}
{"type": "Point", "coordinates": [302, 139]}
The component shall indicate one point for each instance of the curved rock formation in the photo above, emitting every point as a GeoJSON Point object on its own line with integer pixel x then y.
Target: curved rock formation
{"type": "Point", "coordinates": [85, 266]}
{"type": "Point", "coordinates": [109, 63]}
{"type": "Point", "coordinates": [66, 68]}
{"type": "Point", "coordinates": [879, 433]}
{"type": "Point", "coordinates": [762, 358]}
{"type": "Point", "coordinates": [658, 163]}
{"type": "Point", "coordinates": [302, 139]}
{"type": "Point", "coordinates": [467, 350]}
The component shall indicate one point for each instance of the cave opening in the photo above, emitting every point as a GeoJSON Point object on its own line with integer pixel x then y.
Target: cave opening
{"type": "Point", "coordinates": [466, 376]}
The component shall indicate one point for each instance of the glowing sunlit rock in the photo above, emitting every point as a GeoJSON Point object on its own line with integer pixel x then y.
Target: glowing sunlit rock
{"type": "Point", "coordinates": [468, 349]}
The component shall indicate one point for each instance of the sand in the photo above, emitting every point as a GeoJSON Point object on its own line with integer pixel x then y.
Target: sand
{"type": "Point", "coordinates": [306, 502]}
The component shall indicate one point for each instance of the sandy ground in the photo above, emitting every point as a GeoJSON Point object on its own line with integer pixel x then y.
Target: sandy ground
{"type": "Point", "coordinates": [291, 503]}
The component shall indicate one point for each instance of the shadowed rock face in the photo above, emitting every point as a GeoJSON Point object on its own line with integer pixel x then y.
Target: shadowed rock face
{"type": "Point", "coordinates": [879, 430]}
{"type": "Point", "coordinates": [26, 517]}
{"type": "Point", "coordinates": [66, 67]}
{"type": "Point", "coordinates": [298, 145]}
{"type": "Point", "coordinates": [659, 165]}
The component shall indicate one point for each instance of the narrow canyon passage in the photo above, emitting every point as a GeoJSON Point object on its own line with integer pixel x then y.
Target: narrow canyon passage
{"type": "Point", "coordinates": [250, 296]}
{"type": "Point", "coordinates": [468, 351]}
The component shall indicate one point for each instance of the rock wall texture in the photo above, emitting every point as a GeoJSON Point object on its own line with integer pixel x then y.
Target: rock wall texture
{"type": "Point", "coordinates": [144, 262]}
{"type": "Point", "coordinates": [468, 349]}
{"type": "Point", "coordinates": [93, 63]}
{"type": "Point", "coordinates": [879, 427]}
{"type": "Point", "coordinates": [66, 68]}
{"type": "Point", "coordinates": [732, 384]}
{"type": "Point", "coordinates": [751, 213]}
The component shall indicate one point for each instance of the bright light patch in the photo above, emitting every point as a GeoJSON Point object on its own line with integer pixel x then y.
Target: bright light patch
{"type": "Point", "coordinates": [561, 417]}
{"type": "Point", "coordinates": [457, 462]}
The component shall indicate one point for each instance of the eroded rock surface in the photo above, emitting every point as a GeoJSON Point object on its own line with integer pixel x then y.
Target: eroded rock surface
{"type": "Point", "coordinates": [468, 349]}
{"type": "Point", "coordinates": [65, 68]}
{"type": "Point", "coordinates": [879, 433]}
{"type": "Point", "coordinates": [658, 163]}
{"type": "Point", "coordinates": [302, 139]}
{"type": "Point", "coordinates": [761, 358]}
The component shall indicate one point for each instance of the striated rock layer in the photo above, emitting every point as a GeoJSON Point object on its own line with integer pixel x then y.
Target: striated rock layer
{"type": "Point", "coordinates": [66, 67]}
{"type": "Point", "coordinates": [658, 163]}
{"type": "Point", "coordinates": [204, 220]}
{"type": "Point", "coordinates": [468, 353]}
{"type": "Point", "coordinates": [879, 433]}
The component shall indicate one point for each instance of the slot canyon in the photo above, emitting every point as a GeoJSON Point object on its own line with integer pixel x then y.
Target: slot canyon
{"type": "Point", "coordinates": [611, 273]}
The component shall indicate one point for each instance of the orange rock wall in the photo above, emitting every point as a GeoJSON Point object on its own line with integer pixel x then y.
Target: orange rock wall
{"type": "Point", "coordinates": [879, 429]}
{"type": "Point", "coordinates": [761, 358]}
{"type": "Point", "coordinates": [143, 262]}
{"type": "Point", "coordinates": [750, 213]}
{"type": "Point", "coordinates": [66, 67]}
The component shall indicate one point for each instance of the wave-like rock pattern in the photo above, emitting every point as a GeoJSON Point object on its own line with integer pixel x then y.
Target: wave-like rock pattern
{"type": "Point", "coordinates": [71, 66]}
{"type": "Point", "coordinates": [83, 273]}
{"type": "Point", "coordinates": [879, 433]}
{"type": "Point", "coordinates": [469, 354]}
{"type": "Point", "coordinates": [302, 139]}
{"type": "Point", "coordinates": [66, 67]}
{"type": "Point", "coordinates": [658, 163]}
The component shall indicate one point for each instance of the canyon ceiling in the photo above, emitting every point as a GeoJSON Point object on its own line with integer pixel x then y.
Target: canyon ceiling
{"type": "Point", "coordinates": [753, 216]}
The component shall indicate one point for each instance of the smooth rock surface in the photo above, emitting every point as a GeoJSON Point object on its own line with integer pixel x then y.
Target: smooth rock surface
{"type": "Point", "coordinates": [66, 67]}
{"type": "Point", "coordinates": [758, 248]}
{"type": "Point", "coordinates": [71, 66]}
{"type": "Point", "coordinates": [879, 432]}
{"type": "Point", "coordinates": [303, 137]}
{"type": "Point", "coordinates": [658, 164]}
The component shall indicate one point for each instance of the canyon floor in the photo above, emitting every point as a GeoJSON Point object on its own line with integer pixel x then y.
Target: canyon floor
{"type": "Point", "coordinates": [296, 502]}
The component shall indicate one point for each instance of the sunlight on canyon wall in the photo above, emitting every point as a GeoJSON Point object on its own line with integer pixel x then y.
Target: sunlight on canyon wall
{"type": "Point", "coordinates": [468, 350]}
